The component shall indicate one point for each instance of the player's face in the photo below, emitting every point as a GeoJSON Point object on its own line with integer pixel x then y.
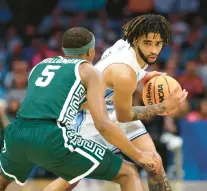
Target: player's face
{"type": "Point", "coordinates": [149, 47]}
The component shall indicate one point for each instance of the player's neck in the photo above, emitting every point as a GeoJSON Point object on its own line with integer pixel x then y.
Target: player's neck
{"type": "Point", "coordinates": [83, 57]}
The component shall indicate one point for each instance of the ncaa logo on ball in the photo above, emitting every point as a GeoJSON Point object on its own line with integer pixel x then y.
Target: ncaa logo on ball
{"type": "Point", "coordinates": [161, 93]}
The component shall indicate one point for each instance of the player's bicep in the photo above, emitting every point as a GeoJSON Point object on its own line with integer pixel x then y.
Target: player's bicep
{"type": "Point", "coordinates": [122, 98]}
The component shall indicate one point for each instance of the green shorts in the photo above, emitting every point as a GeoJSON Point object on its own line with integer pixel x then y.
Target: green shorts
{"type": "Point", "coordinates": [56, 148]}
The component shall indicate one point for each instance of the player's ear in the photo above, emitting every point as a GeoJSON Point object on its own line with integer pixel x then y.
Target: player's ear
{"type": "Point", "coordinates": [90, 52]}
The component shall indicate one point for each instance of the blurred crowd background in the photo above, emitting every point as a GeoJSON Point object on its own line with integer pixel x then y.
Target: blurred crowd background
{"type": "Point", "coordinates": [31, 31]}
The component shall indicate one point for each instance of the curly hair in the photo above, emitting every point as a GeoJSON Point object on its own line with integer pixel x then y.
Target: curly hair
{"type": "Point", "coordinates": [145, 24]}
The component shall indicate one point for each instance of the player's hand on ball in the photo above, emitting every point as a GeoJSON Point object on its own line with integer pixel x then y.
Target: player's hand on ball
{"type": "Point", "coordinates": [149, 75]}
{"type": "Point", "coordinates": [175, 98]}
{"type": "Point", "coordinates": [150, 160]}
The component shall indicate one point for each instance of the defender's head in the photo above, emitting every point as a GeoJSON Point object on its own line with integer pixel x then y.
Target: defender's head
{"type": "Point", "coordinates": [79, 42]}
{"type": "Point", "coordinates": [147, 34]}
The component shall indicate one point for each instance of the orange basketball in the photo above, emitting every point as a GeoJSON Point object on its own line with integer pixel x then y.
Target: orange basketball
{"type": "Point", "coordinates": [157, 89]}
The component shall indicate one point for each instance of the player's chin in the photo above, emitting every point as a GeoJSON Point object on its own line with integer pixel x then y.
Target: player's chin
{"type": "Point", "coordinates": [151, 63]}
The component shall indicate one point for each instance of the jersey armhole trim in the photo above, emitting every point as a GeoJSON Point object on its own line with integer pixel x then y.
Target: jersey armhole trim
{"type": "Point", "coordinates": [77, 74]}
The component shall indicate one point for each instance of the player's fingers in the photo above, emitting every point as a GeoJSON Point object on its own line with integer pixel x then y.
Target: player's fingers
{"type": "Point", "coordinates": [156, 158]}
{"type": "Point", "coordinates": [153, 166]}
{"type": "Point", "coordinates": [183, 97]}
{"type": "Point", "coordinates": [158, 167]}
{"type": "Point", "coordinates": [182, 94]}
{"type": "Point", "coordinates": [150, 167]}
{"type": "Point", "coordinates": [159, 73]}
{"type": "Point", "coordinates": [175, 90]}
{"type": "Point", "coordinates": [159, 162]}
{"type": "Point", "coordinates": [154, 163]}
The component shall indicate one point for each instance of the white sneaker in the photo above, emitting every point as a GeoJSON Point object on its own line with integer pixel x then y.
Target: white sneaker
{"type": "Point", "coordinates": [173, 141]}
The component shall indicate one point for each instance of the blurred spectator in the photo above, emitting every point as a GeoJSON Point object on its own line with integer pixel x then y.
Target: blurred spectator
{"type": "Point", "coordinates": [12, 109]}
{"type": "Point", "coordinates": [202, 67]}
{"type": "Point", "coordinates": [36, 43]}
{"type": "Point", "coordinates": [3, 74]}
{"type": "Point", "coordinates": [139, 6]}
{"type": "Point", "coordinates": [43, 52]}
{"type": "Point", "coordinates": [18, 67]}
{"type": "Point", "coordinates": [18, 89]}
{"type": "Point", "coordinates": [190, 49]}
{"type": "Point", "coordinates": [17, 53]}
{"type": "Point", "coordinates": [55, 20]}
{"type": "Point", "coordinates": [112, 5]}
{"type": "Point", "coordinates": [55, 43]}
{"type": "Point", "coordinates": [201, 114]}
{"type": "Point", "coordinates": [11, 37]}
{"type": "Point", "coordinates": [30, 32]}
{"type": "Point", "coordinates": [81, 5]}
{"type": "Point", "coordinates": [171, 68]}
{"type": "Point", "coordinates": [180, 29]}
{"type": "Point", "coordinates": [178, 6]}
{"type": "Point", "coordinates": [190, 81]}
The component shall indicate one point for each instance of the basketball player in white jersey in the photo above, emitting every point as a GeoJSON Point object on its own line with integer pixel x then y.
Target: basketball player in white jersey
{"type": "Point", "coordinates": [123, 66]}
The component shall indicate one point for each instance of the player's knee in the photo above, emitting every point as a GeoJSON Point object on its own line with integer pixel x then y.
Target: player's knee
{"type": "Point", "coordinates": [127, 171]}
{"type": "Point", "coordinates": [131, 170]}
{"type": "Point", "coordinates": [158, 170]}
{"type": "Point", "coordinates": [3, 182]}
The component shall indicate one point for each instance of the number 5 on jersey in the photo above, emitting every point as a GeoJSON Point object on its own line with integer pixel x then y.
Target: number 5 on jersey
{"type": "Point", "coordinates": [48, 73]}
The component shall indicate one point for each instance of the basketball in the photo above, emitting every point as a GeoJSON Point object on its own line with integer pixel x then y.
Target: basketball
{"type": "Point", "coordinates": [157, 89]}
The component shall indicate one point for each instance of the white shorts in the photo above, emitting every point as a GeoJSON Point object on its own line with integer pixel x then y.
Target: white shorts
{"type": "Point", "coordinates": [85, 126]}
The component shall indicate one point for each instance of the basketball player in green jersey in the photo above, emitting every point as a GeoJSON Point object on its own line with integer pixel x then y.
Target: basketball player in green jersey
{"type": "Point", "coordinates": [42, 132]}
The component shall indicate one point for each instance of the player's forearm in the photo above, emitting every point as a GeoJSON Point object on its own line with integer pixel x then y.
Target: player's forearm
{"type": "Point", "coordinates": [143, 112]}
{"type": "Point", "coordinates": [117, 138]}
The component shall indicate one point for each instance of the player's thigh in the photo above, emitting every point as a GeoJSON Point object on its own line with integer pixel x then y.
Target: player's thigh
{"type": "Point", "coordinates": [144, 143]}
{"type": "Point", "coordinates": [77, 157]}
{"type": "Point", "coordinates": [84, 164]}
{"type": "Point", "coordinates": [14, 164]}
{"type": "Point", "coordinates": [127, 169]}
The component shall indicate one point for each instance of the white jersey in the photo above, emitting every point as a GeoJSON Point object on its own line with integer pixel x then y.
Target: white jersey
{"type": "Point", "coordinates": [120, 52]}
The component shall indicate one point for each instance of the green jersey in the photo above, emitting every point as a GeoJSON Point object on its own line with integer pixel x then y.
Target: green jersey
{"type": "Point", "coordinates": [55, 91]}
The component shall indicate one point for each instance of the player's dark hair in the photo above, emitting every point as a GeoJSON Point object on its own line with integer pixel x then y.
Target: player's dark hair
{"type": "Point", "coordinates": [145, 24]}
{"type": "Point", "coordinates": [76, 37]}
